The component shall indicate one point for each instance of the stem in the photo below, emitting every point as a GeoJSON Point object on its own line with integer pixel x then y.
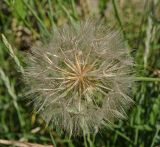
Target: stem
{"type": "Point", "coordinates": [117, 14]}
{"type": "Point", "coordinates": [155, 136]}
{"type": "Point", "coordinates": [52, 139]}
{"type": "Point", "coordinates": [147, 79]}
{"type": "Point", "coordinates": [51, 15]}
{"type": "Point", "coordinates": [37, 17]}
{"type": "Point", "coordinates": [22, 144]}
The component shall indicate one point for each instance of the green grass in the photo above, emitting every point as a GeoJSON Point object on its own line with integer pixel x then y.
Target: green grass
{"type": "Point", "coordinates": [23, 22]}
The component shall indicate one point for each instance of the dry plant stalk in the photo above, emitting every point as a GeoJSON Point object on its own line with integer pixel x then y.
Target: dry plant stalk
{"type": "Point", "coordinates": [22, 144]}
{"type": "Point", "coordinates": [81, 78]}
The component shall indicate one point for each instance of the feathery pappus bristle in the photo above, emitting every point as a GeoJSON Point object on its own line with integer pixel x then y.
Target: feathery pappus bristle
{"type": "Point", "coordinates": [81, 78]}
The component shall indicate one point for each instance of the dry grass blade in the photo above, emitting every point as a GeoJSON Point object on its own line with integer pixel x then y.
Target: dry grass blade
{"type": "Point", "coordinates": [22, 144]}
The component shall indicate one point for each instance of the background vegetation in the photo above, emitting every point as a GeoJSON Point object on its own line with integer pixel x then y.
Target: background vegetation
{"type": "Point", "coordinates": [24, 22]}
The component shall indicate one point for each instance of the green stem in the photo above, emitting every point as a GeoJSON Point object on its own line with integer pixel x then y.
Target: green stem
{"type": "Point", "coordinates": [117, 14]}
{"type": "Point", "coordinates": [147, 79]}
{"type": "Point", "coordinates": [37, 17]}
{"type": "Point", "coordinates": [111, 127]}
{"type": "Point", "coordinates": [51, 15]}
{"type": "Point", "coordinates": [52, 139]}
{"type": "Point", "coordinates": [155, 136]}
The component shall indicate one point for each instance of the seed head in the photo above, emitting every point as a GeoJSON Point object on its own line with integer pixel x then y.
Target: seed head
{"type": "Point", "coordinates": [81, 78]}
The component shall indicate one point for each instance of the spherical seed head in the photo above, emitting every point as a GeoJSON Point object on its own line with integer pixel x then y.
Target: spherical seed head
{"type": "Point", "coordinates": [81, 78]}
